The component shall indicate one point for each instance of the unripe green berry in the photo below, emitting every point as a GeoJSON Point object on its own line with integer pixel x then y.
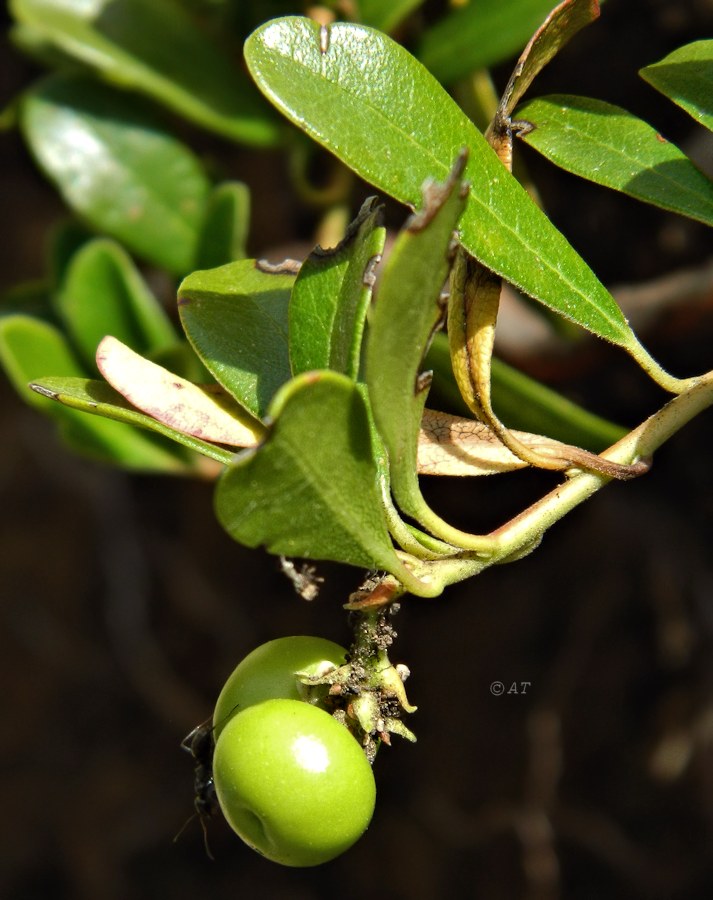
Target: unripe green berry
{"type": "Point", "coordinates": [292, 782]}
{"type": "Point", "coordinates": [269, 673]}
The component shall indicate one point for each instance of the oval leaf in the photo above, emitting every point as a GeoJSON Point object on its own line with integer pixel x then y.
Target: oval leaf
{"type": "Point", "coordinates": [31, 349]}
{"type": "Point", "coordinates": [452, 445]}
{"type": "Point", "coordinates": [156, 48]}
{"type": "Point", "coordinates": [236, 319]}
{"type": "Point", "coordinates": [348, 93]}
{"type": "Point", "coordinates": [686, 77]}
{"type": "Point", "coordinates": [224, 233]}
{"type": "Point", "coordinates": [607, 145]}
{"type": "Point", "coordinates": [115, 167]}
{"type": "Point", "coordinates": [103, 293]}
{"type": "Point", "coordinates": [312, 489]}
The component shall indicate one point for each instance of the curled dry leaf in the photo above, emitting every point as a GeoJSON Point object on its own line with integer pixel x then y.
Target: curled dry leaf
{"type": "Point", "coordinates": [452, 445]}
{"type": "Point", "coordinates": [558, 29]}
{"type": "Point", "coordinates": [205, 412]}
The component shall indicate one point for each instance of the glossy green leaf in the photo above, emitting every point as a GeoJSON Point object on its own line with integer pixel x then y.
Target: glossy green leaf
{"type": "Point", "coordinates": [405, 316]}
{"type": "Point", "coordinates": [236, 319]}
{"type": "Point", "coordinates": [104, 293]}
{"type": "Point", "coordinates": [30, 350]}
{"type": "Point", "coordinates": [609, 146]}
{"type": "Point", "coordinates": [224, 234]}
{"type": "Point", "coordinates": [385, 16]}
{"type": "Point", "coordinates": [480, 34]}
{"type": "Point", "coordinates": [115, 167]}
{"type": "Point", "coordinates": [156, 48]}
{"type": "Point", "coordinates": [98, 398]}
{"type": "Point", "coordinates": [311, 490]}
{"type": "Point", "coordinates": [686, 77]}
{"type": "Point", "coordinates": [331, 296]}
{"type": "Point", "coordinates": [351, 98]}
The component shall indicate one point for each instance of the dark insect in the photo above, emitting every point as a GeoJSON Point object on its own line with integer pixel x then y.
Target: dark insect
{"type": "Point", "coordinates": [199, 743]}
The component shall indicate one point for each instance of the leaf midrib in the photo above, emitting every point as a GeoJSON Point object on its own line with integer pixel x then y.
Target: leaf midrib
{"type": "Point", "coordinates": [632, 159]}
{"type": "Point", "coordinates": [333, 498]}
{"type": "Point", "coordinates": [618, 324]}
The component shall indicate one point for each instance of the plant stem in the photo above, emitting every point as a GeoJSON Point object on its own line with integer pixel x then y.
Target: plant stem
{"type": "Point", "coordinates": [656, 372]}
{"type": "Point", "coordinates": [522, 533]}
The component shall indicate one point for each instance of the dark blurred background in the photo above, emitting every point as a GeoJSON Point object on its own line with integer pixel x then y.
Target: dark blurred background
{"type": "Point", "coordinates": [124, 607]}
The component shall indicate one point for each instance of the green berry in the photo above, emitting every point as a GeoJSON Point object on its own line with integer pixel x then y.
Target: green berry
{"type": "Point", "coordinates": [292, 782]}
{"type": "Point", "coordinates": [270, 672]}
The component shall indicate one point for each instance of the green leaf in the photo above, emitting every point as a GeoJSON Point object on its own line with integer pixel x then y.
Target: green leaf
{"type": "Point", "coordinates": [114, 166]}
{"type": "Point", "coordinates": [311, 490]}
{"type": "Point", "coordinates": [103, 293]}
{"type": "Point", "coordinates": [351, 99]}
{"type": "Point", "coordinates": [609, 146]}
{"type": "Point", "coordinates": [406, 314]}
{"type": "Point", "coordinates": [156, 48]}
{"type": "Point", "coordinates": [224, 235]}
{"type": "Point", "coordinates": [31, 349]}
{"type": "Point", "coordinates": [686, 77]}
{"type": "Point", "coordinates": [386, 16]}
{"type": "Point", "coordinates": [331, 296]}
{"type": "Point", "coordinates": [478, 35]}
{"type": "Point", "coordinates": [97, 398]}
{"type": "Point", "coordinates": [33, 42]}
{"type": "Point", "coordinates": [236, 319]}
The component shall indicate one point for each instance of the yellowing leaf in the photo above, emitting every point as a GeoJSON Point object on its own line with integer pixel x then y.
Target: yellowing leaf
{"type": "Point", "coordinates": [206, 412]}
{"type": "Point", "coordinates": [452, 445]}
